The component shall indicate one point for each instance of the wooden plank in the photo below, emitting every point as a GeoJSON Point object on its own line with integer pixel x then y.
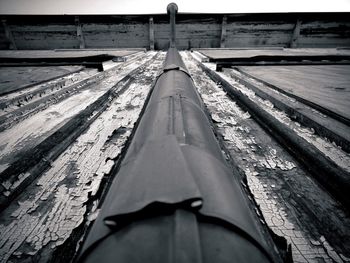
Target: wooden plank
{"type": "Point", "coordinates": [189, 43]}
{"type": "Point", "coordinates": [319, 27]}
{"type": "Point", "coordinates": [247, 40]}
{"type": "Point", "coordinates": [328, 40]}
{"type": "Point", "coordinates": [190, 35]}
{"type": "Point", "coordinates": [9, 35]}
{"type": "Point", "coordinates": [50, 28]}
{"type": "Point", "coordinates": [3, 41]}
{"type": "Point", "coordinates": [251, 26]}
{"type": "Point", "coordinates": [80, 34]}
{"type": "Point", "coordinates": [22, 77]}
{"type": "Point", "coordinates": [223, 31]}
{"type": "Point", "coordinates": [42, 41]}
{"type": "Point", "coordinates": [323, 34]}
{"type": "Point", "coordinates": [151, 33]}
{"type": "Point", "coordinates": [326, 86]}
{"type": "Point", "coordinates": [196, 27]}
{"type": "Point", "coordinates": [296, 33]}
{"type": "Point", "coordinates": [258, 33]}
{"type": "Point", "coordinates": [125, 28]}
{"type": "Point", "coordinates": [192, 30]}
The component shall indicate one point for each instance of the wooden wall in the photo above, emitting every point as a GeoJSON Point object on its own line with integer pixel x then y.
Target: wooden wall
{"type": "Point", "coordinates": [193, 31]}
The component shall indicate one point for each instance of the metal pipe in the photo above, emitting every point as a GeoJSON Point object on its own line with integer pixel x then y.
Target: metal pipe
{"type": "Point", "coordinates": [175, 163]}
{"type": "Point", "coordinates": [175, 199]}
{"type": "Point", "coordinates": [172, 11]}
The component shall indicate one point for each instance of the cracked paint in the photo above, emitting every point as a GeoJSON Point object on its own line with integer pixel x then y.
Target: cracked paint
{"type": "Point", "coordinates": [45, 215]}
{"type": "Point", "coordinates": [46, 87]}
{"type": "Point", "coordinates": [39, 126]}
{"type": "Point", "coordinates": [280, 187]}
{"type": "Point", "coordinates": [330, 149]}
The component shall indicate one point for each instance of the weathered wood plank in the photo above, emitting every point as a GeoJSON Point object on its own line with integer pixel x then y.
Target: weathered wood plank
{"type": "Point", "coordinates": [252, 26]}
{"type": "Point", "coordinates": [245, 40]}
{"type": "Point", "coordinates": [101, 41]}
{"type": "Point", "coordinates": [49, 212]}
{"type": "Point", "coordinates": [188, 27]}
{"type": "Point", "coordinates": [214, 98]}
{"type": "Point", "coordinates": [187, 35]}
{"type": "Point", "coordinates": [295, 35]}
{"type": "Point", "coordinates": [327, 86]}
{"type": "Point", "coordinates": [189, 43]}
{"type": "Point", "coordinates": [122, 28]}
{"type": "Point", "coordinates": [80, 34]}
{"type": "Point", "coordinates": [43, 42]}
{"type": "Point", "coordinates": [151, 33]}
{"type": "Point", "coordinates": [223, 31]}
{"type": "Point", "coordinates": [50, 28]}
{"type": "Point", "coordinates": [319, 42]}
{"type": "Point", "coordinates": [9, 35]}
{"type": "Point", "coordinates": [3, 41]}
{"type": "Point", "coordinates": [195, 30]}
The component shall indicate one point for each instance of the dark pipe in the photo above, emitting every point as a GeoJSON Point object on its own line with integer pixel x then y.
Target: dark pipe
{"type": "Point", "coordinates": [172, 11]}
{"type": "Point", "coordinates": [174, 198]}
{"type": "Point", "coordinates": [174, 195]}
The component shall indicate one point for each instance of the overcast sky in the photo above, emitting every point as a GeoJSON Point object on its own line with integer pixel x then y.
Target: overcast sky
{"type": "Point", "coordinates": [159, 6]}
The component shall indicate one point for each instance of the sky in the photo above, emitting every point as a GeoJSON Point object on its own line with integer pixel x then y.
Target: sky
{"type": "Point", "coordinates": [159, 6]}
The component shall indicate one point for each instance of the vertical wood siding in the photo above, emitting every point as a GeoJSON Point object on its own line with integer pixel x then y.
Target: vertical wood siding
{"type": "Point", "coordinates": [193, 31]}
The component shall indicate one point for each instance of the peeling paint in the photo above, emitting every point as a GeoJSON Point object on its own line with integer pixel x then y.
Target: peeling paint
{"type": "Point", "coordinates": [54, 205]}
{"type": "Point", "coordinates": [278, 183]}
{"type": "Point", "coordinates": [46, 87]}
{"type": "Point", "coordinates": [330, 149]}
{"type": "Point", "coordinates": [36, 128]}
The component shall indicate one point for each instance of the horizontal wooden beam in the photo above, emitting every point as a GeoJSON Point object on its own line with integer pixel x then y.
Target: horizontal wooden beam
{"type": "Point", "coordinates": [152, 32]}
{"type": "Point", "coordinates": [221, 65]}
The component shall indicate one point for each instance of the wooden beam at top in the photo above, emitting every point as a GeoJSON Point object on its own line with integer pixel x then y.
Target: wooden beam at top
{"type": "Point", "coordinates": [223, 31]}
{"type": "Point", "coordinates": [296, 33]}
{"type": "Point", "coordinates": [9, 35]}
{"type": "Point", "coordinates": [151, 33]}
{"type": "Point", "coordinates": [80, 34]}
